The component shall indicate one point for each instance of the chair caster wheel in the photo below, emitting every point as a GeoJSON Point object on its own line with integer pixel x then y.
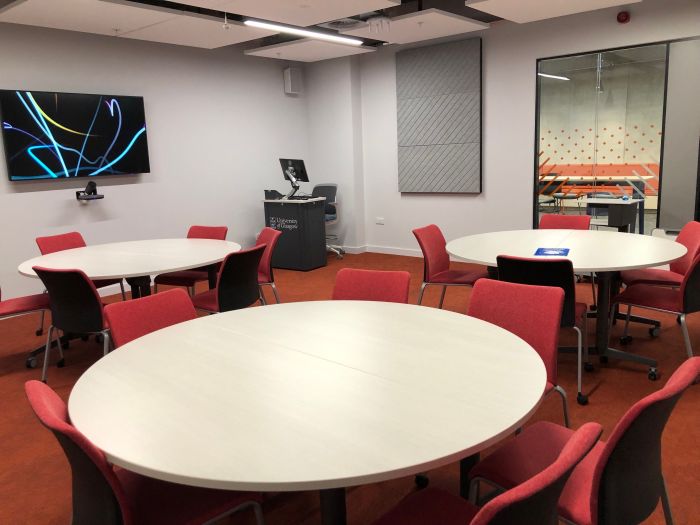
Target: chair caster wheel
{"type": "Point", "coordinates": [421, 481]}
{"type": "Point", "coordinates": [653, 374]}
{"type": "Point", "coordinates": [39, 332]}
{"type": "Point", "coordinates": [603, 359]}
{"type": "Point", "coordinates": [625, 339]}
{"type": "Point", "coordinates": [61, 363]}
{"type": "Point", "coordinates": [582, 399]}
{"type": "Point", "coordinates": [588, 367]}
{"type": "Point", "coordinates": [30, 362]}
{"type": "Point", "coordinates": [654, 331]}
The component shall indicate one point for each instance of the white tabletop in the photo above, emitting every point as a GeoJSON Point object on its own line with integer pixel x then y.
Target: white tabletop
{"type": "Point", "coordinates": [589, 251]}
{"type": "Point", "coordinates": [305, 396]}
{"type": "Point", "coordinates": [608, 202]}
{"type": "Point", "coordinates": [135, 258]}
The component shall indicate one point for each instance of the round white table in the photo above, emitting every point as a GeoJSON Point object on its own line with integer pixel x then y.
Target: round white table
{"type": "Point", "coordinates": [308, 396]}
{"type": "Point", "coordinates": [602, 252]}
{"type": "Point", "coordinates": [135, 261]}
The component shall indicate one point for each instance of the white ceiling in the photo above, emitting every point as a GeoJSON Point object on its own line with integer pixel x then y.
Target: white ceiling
{"type": "Point", "coordinates": [308, 50]}
{"type": "Point", "coordinates": [523, 11]}
{"type": "Point", "coordinates": [295, 12]}
{"type": "Point", "coordinates": [423, 25]}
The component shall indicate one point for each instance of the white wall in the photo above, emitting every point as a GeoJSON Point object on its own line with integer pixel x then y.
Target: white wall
{"type": "Point", "coordinates": [217, 122]}
{"type": "Point", "coordinates": [510, 52]}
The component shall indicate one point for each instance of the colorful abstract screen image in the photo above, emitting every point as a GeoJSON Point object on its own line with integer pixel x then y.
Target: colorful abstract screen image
{"type": "Point", "coordinates": [63, 135]}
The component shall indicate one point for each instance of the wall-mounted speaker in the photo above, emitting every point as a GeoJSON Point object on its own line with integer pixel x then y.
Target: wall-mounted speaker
{"type": "Point", "coordinates": [292, 81]}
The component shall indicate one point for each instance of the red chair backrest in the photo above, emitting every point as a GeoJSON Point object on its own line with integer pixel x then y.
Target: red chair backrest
{"type": "Point", "coordinates": [75, 304]}
{"type": "Point", "coordinates": [208, 232]}
{"type": "Point", "coordinates": [627, 480]}
{"type": "Point", "coordinates": [432, 244]}
{"type": "Point", "coordinates": [92, 474]}
{"type": "Point", "coordinates": [129, 320]}
{"type": "Point", "coordinates": [58, 243]}
{"type": "Point", "coordinates": [268, 236]}
{"type": "Point", "coordinates": [534, 502]}
{"type": "Point", "coordinates": [533, 313]}
{"type": "Point", "coordinates": [371, 285]}
{"type": "Point", "coordinates": [689, 236]}
{"type": "Point", "coordinates": [551, 221]}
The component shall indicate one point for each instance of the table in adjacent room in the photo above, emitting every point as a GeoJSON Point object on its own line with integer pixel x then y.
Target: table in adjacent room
{"type": "Point", "coordinates": [135, 261]}
{"type": "Point", "coordinates": [318, 395]}
{"type": "Point", "coordinates": [602, 253]}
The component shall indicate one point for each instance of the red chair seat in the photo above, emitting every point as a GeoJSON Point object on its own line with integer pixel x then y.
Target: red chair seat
{"type": "Point", "coordinates": [651, 296]}
{"type": "Point", "coordinates": [206, 301]}
{"type": "Point", "coordinates": [535, 448]}
{"type": "Point", "coordinates": [187, 278]}
{"type": "Point", "coordinates": [458, 277]}
{"type": "Point", "coordinates": [157, 502]}
{"type": "Point", "coordinates": [430, 506]}
{"type": "Point", "coordinates": [651, 276]}
{"type": "Point", "coordinates": [28, 303]}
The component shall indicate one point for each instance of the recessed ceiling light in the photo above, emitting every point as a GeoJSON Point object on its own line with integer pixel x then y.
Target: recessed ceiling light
{"type": "Point", "coordinates": [304, 32]}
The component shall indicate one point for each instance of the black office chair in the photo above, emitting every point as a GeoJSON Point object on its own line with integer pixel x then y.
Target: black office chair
{"type": "Point", "coordinates": [329, 191]}
{"type": "Point", "coordinates": [76, 308]}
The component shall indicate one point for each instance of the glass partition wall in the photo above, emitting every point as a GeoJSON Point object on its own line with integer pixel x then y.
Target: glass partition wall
{"type": "Point", "coordinates": [600, 132]}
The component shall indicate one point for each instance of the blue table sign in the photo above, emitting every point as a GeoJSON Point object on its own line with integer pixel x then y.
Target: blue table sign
{"type": "Point", "coordinates": [552, 251]}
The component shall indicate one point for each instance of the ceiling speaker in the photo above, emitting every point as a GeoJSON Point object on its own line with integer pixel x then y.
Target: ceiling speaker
{"type": "Point", "coordinates": [292, 81]}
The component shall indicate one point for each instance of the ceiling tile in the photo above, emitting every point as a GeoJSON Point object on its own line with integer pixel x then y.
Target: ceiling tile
{"type": "Point", "coordinates": [295, 12]}
{"type": "Point", "coordinates": [88, 16]}
{"type": "Point", "coordinates": [422, 25]}
{"type": "Point", "coordinates": [308, 50]}
{"type": "Point", "coordinates": [197, 31]}
{"type": "Point", "coordinates": [523, 11]}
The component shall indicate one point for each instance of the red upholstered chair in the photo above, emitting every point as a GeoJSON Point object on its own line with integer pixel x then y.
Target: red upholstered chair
{"type": "Point", "coordinates": [620, 481]}
{"type": "Point", "coordinates": [436, 263]}
{"type": "Point", "coordinates": [371, 285]}
{"type": "Point", "coordinates": [68, 241]}
{"type": "Point", "coordinates": [533, 502]}
{"type": "Point", "coordinates": [76, 308]}
{"type": "Point", "coordinates": [132, 319]}
{"type": "Point", "coordinates": [533, 313]}
{"type": "Point", "coordinates": [553, 272]}
{"type": "Point", "coordinates": [552, 221]}
{"type": "Point", "coordinates": [680, 301]}
{"type": "Point", "coordinates": [111, 495]}
{"type": "Point", "coordinates": [269, 237]}
{"type": "Point", "coordinates": [236, 284]}
{"type": "Point", "coordinates": [22, 306]}
{"type": "Point", "coordinates": [189, 278]}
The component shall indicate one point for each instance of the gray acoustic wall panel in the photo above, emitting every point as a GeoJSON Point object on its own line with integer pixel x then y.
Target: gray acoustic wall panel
{"type": "Point", "coordinates": [439, 118]}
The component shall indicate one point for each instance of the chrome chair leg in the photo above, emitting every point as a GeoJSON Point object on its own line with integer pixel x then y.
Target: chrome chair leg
{"type": "Point", "coordinates": [580, 398]}
{"type": "Point", "coordinates": [442, 296]}
{"type": "Point", "coordinates": [665, 503]}
{"type": "Point", "coordinates": [47, 352]}
{"type": "Point", "coordinates": [40, 329]}
{"type": "Point", "coordinates": [686, 336]}
{"type": "Point", "coordinates": [191, 291]}
{"type": "Point", "coordinates": [262, 297]}
{"type": "Point", "coordinates": [105, 342]}
{"type": "Point", "coordinates": [422, 289]}
{"type": "Point", "coordinates": [155, 288]}
{"type": "Point", "coordinates": [274, 291]}
{"type": "Point", "coordinates": [627, 320]}
{"type": "Point", "coordinates": [121, 285]}
{"type": "Point", "coordinates": [562, 393]}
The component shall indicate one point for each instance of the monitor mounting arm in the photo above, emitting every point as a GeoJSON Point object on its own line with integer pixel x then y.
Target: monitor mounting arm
{"type": "Point", "coordinates": [293, 181]}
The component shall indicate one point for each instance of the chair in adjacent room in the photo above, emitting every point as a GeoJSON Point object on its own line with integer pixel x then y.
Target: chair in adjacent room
{"type": "Point", "coordinates": [680, 301]}
{"type": "Point", "coordinates": [436, 263]}
{"type": "Point", "coordinates": [109, 495]}
{"type": "Point", "coordinates": [531, 312]}
{"type": "Point", "coordinates": [189, 278]}
{"type": "Point", "coordinates": [236, 284]}
{"type": "Point", "coordinates": [620, 481]}
{"type": "Point", "coordinates": [268, 237]}
{"type": "Point", "coordinates": [371, 285]}
{"type": "Point", "coordinates": [331, 215]}
{"type": "Point", "coordinates": [68, 241]}
{"type": "Point", "coordinates": [133, 319]}
{"type": "Point", "coordinates": [28, 304]}
{"type": "Point", "coordinates": [533, 502]}
{"type": "Point", "coordinates": [554, 272]}
{"type": "Point", "coordinates": [76, 308]}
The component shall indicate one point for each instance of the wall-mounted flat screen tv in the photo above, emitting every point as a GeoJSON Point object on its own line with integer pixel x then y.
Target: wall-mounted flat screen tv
{"type": "Point", "coordinates": [64, 135]}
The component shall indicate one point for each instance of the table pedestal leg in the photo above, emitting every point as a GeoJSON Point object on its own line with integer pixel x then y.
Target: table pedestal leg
{"type": "Point", "coordinates": [465, 465]}
{"type": "Point", "coordinates": [140, 286]}
{"type": "Point", "coordinates": [211, 276]}
{"type": "Point", "coordinates": [333, 507]}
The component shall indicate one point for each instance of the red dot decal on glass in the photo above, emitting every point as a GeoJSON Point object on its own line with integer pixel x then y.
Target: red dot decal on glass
{"type": "Point", "coordinates": [651, 125]}
{"type": "Point", "coordinates": [605, 129]}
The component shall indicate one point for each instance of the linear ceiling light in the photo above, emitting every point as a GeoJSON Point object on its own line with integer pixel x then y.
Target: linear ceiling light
{"type": "Point", "coordinates": [553, 76]}
{"type": "Point", "coordinates": [304, 32]}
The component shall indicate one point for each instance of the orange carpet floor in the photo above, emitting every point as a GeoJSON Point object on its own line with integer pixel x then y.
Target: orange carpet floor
{"type": "Point", "coordinates": [35, 476]}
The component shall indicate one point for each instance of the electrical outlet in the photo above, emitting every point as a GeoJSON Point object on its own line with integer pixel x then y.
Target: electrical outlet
{"type": "Point", "coordinates": [379, 220]}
